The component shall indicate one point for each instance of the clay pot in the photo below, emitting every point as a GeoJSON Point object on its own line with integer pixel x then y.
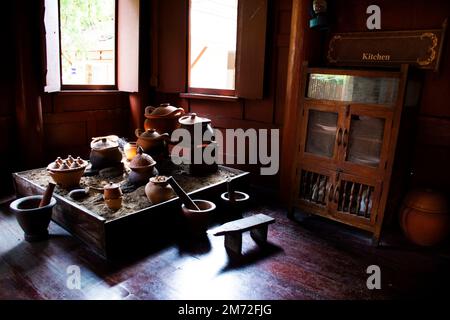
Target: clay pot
{"type": "Point", "coordinates": [163, 119]}
{"type": "Point", "coordinates": [425, 218]}
{"type": "Point", "coordinates": [151, 141]}
{"type": "Point", "coordinates": [142, 167]}
{"type": "Point", "coordinates": [105, 152]}
{"type": "Point", "coordinates": [112, 194]}
{"type": "Point", "coordinates": [197, 221]}
{"type": "Point", "coordinates": [67, 173]}
{"type": "Point", "coordinates": [33, 220]}
{"type": "Point", "coordinates": [158, 190]}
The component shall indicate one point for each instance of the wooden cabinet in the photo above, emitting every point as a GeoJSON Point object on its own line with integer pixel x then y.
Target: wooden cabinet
{"type": "Point", "coordinates": [347, 132]}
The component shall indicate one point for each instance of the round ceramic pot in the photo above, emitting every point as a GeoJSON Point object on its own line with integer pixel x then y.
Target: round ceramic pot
{"type": "Point", "coordinates": [197, 220]}
{"type": "Point", "coordinates": [33, 220]}
{"type": "Point", "coordinates": [424, 217]}
{"type": "Point", "coordinates": [158, 190]}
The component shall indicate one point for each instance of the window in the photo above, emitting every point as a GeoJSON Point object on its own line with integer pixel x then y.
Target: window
{"type": "Point", "coordinates": [83, 39]}
{"type": "Point", "coordinates": [212, 46]}
{"type": "Point", "coordinates": [87, 43]}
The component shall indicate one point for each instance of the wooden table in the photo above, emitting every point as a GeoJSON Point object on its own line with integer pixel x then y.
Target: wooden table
{"type": "Point", "coordinates": [111, 236]}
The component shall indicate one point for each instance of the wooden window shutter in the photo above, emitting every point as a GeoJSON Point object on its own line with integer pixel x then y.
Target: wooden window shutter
{"type": "Point", "coordinates": [172, 45]}
{"type": "Point", "coordinates": [251, 48]}
{"type": "Point", "coordinates": [128, 45]}
{"type": "Point", "coordinates": [52, 56]}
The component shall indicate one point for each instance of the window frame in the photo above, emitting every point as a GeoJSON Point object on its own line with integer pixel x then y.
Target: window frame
{"type": "Point", "coordinates": [208, 91]}
{"type": "Point", "coordinates": [68, 87]}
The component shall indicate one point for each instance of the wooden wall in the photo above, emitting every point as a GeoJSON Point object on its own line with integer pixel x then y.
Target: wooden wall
{"type": "Point", "coordinates": [265, 113]}
{"type": "Point", "coordinates": [431, 155]}
{"type": "Point", "coordinates": [8, 150]}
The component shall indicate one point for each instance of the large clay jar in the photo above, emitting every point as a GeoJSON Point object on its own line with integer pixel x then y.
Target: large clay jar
{"type": "Point", "coordinates": [163, 119]}
{"type": "Point", "coordinates": [105, 152]}
{"type": "Point", "coordinates": [424, 217]}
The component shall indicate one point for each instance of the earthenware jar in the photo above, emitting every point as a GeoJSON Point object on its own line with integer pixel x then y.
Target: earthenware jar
{"type": "Point", "coordinates": [105, 152]}
{"type": "Point", "coordinates": [151, 141]}
{"type": "Point", "coordinates": [142, 167]}
{"type": "Point", "coordinates": [425, 218]}
{"type": "Point", "coordinates": [67, 172]}
{"type": "Point", "coordinates": [163, 119]}
{"type": "Point", "coordinates": [33, 220]}
{"type": "Point", "coordinates": [112, 194]}
{"type": "Point", "coordinates": [158, 190]}
{"type": "Point", "coordinates": [197, 220]}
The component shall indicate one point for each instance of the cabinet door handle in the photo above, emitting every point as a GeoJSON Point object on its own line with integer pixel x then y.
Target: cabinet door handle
{"type": "Point", "coordinates": [339, 137]}
{"type": "Point", "coordinates": [330, 193]}
{"type": "Point", "coordinates": [345, 139]}
{"type": "Point", "coordinates": [336, 194]}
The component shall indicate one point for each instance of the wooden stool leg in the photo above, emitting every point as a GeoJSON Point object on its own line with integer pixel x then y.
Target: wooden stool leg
{"type": "Point", "coordinates": [259, 234]}
{"type": "Point", "coordinates": [233, 243]}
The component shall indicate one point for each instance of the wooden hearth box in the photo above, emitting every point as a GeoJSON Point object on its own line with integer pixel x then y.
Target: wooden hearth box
{"type": "Point", "coordinates": [128, 231]}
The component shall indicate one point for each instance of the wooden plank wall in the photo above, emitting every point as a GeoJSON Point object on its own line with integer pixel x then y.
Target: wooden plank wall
{"type": "Point", "coordinates": [431, 159]}
{"type": "Point", "coordinates": [8, 147]}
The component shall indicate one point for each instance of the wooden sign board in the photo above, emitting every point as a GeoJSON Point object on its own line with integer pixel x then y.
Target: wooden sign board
{"type": "Point", "coordinates": [421, 48]}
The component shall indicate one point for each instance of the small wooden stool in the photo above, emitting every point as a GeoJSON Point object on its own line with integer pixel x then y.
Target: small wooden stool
{"type": "Point", "coordinates": [257, 224]}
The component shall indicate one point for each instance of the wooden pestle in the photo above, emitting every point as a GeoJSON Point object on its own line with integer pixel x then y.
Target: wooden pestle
{"type": "Point", "coordinates": [46, 198]}
{"type": "Point", "coordinates": [184, 197]}
{"type": "Point", "coordinates": [230, 190]}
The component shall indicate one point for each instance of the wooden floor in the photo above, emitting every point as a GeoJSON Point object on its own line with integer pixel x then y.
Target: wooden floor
{"type": "Point", "coordinates": [311, 259]}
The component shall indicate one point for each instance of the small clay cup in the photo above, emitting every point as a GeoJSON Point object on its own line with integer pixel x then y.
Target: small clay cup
{"type": "Point", "coordinates": [33, 220]}
{"type": "Point", "coordinates": [197, 221]}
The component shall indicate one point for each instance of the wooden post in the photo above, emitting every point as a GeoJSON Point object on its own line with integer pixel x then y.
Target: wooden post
{"type": "Point", "coordinates": [301, 47]}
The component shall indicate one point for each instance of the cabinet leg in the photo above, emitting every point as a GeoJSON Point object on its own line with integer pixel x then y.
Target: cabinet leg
{"type": "Point", "coordinates": [233, 243]}
{"type": "Point", "coordinates": [290, 213]}
{"type": "Point", "coordinates": [259, 234]}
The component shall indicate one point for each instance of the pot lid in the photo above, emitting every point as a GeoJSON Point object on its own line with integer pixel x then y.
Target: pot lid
{"type": "Point", "coordinates": [150, 134]}
{"type": "Point", "coordinates": [141, 159]}
{"type": "Point", "coordinates": [164, 109]}
{"type": "Point", "coordinates": [102, 143]}
{"type": "Point", "coordinates": [192, 119]}
{"type": "Point", "coordinates": [427, 200]}
{"type": "Point", "coordinates": [111, 186]}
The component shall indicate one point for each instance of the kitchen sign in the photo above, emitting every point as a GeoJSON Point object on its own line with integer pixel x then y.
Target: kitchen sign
{"type": "Point", "coordinates": [420, 48]}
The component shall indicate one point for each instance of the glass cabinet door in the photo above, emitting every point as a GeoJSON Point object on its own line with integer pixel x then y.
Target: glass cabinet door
{"type": "Point", "coordinates": [365, 138]}
{"type": "Point", "coordinates": [322, 127]}
{"type": "Point", "coordinates": [355, 89]}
